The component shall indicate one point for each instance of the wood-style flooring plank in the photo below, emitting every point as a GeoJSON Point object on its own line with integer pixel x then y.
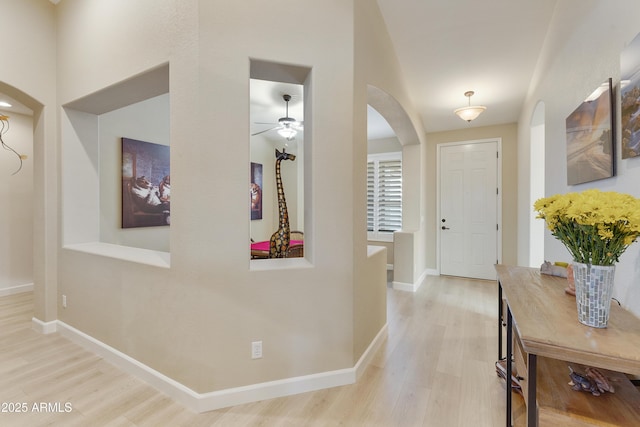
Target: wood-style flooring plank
{"type": "Point", "coordinates": [435, 368]}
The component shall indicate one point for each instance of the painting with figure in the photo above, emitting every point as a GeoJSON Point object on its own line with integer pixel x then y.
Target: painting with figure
{"type": "Point", "coordinates": [256, 191]}
{"type": "Point", "coordinates": [630, 99]}
{"type": "Point", "coordinates": [146, 184]}
{"type": "Point", "coordinates": [590, 149]}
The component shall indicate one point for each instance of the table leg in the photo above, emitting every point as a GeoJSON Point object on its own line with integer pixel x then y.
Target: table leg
{"type": "Point", "coordinates": [532, 407]}
{"type": "Point", "coordinates": [500, 320]}
{"type": "Point", "coordinates": [509, 363]}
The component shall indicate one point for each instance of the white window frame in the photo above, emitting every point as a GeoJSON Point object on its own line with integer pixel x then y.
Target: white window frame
{"type": "Point", "coordinates": [376, 159]}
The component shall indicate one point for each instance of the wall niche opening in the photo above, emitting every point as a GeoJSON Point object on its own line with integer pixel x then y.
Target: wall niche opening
{"type": "Point", "coordinates": [280, 166]}
{"type": "Point", "coordinates": [92, 166]}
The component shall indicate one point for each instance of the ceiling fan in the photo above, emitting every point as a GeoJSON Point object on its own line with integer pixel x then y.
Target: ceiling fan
{"type": "Point", "coordinates": [287, 127]}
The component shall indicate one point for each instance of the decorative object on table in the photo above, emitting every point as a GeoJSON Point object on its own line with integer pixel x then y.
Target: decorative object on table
{"type": "Point", "coordinates": [4, 128]}
{"type": "Point", "coordinates": [594, 289]}
{"type": "Point", "coordinates": [629, 93]}
{"type": "Point", "coordinates": [590, 136]}
{"type": "Point", "coordinates": [255, 190]}
{"type": "Point", "coordinates": [571, 284]}
{"type": "Point", "coordinates": [553, 269]}
{"type": "Point", "coordinates": [146, 184]}
{"type": "Point", "coordinates": [593, 381]}
{"type": "Point", "coordinates": [279, 243]}
{"type": "Point", "coordinates": [596, 227]}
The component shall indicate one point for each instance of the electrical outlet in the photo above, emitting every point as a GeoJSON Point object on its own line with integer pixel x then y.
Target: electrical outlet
{"type": "Point", "coordinates": [64, 301]}
{"type": "Point", "coordinates": [256, 350]}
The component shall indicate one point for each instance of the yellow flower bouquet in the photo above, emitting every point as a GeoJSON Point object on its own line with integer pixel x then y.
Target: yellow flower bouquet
{"type": "Point", "coordinates": [595, 226]}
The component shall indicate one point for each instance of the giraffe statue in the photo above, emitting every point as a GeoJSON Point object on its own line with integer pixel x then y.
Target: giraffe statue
{"type": "Point", "coordinates": [280, 239]}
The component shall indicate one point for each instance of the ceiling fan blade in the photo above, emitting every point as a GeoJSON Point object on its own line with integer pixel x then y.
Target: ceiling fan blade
{"type": "Point", "coordinates": [263, 131]}
{"type": "Point", "coordinates": [264, 123]}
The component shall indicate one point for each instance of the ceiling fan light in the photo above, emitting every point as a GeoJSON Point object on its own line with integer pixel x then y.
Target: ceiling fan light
{"type": "Point", "coordinates": [470, 113]}
{"type": "Point", "coordinates": [287, 132]}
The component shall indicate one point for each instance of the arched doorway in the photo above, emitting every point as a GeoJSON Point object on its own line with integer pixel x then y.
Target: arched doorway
{"type": "Point", "coordinates": [406, 259]}
{"type": "Point", "coordinates": [16, 189]}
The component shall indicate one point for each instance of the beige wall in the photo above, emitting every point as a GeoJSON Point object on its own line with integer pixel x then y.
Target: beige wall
{"type": "Point", "coordinates": [509, 135]}
{"type": "Point", "coordinates": [16, 211]}
{"type": "Point", "coordinates": [582, 49]}
{"type": "Point", "coordinates": [31, 79]}
{"type": "Point", "coordinates": [193, 315]}
{"type": "Point", "coordinates": [375, 65]}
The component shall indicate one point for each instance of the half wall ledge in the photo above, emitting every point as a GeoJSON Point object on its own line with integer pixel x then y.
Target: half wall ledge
{"type": "Point", "coordinates": [126, 253]}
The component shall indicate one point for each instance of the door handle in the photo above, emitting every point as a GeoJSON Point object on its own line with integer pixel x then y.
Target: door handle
{"type": "Point", "coordinates": [445, 228]}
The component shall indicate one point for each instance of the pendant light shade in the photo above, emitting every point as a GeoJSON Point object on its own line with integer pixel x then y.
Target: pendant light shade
{"type": "Point", "coordinates": [469, 112]}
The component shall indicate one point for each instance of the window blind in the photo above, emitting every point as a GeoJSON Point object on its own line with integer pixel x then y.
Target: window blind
{"type": "Point", "coordinates": [384, 195]}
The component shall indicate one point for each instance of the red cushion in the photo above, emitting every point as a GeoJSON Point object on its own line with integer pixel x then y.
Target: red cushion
{"type": "Point", "coordinates": [264, 246]}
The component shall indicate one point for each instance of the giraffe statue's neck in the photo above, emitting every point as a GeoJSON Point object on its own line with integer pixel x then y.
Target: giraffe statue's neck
{"type": "Point", "coordinates": [283, 215]}
{"type": "Point", "coordinates": [279, 243]}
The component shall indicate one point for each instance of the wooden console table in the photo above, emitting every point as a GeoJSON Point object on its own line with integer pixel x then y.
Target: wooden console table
{"type": "Point", "coordinates": [543, 320]}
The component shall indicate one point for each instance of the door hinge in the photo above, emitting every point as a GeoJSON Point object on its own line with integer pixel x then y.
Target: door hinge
{"type": "Point", "coordinates": [497, 227]}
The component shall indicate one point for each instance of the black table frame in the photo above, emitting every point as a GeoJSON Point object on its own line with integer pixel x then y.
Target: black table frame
{"type": "Point", "coordinates": [532, 366]}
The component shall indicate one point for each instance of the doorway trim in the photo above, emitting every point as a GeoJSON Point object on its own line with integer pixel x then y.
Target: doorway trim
{"type": "Point", "coordinates": [498, 142]}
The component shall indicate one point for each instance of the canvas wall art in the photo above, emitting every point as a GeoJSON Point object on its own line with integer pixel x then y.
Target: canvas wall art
{"type": "Point", "coordinates": [590, 136]}
{"type": "Point", "coordinates": [146, 184]}
{"type": "Point", "coordinates": [630, 99]}
{"type": "Point", "coordinates": [256, 191]}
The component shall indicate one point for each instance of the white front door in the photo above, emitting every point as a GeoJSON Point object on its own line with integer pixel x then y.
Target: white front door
{"type": "Point", "coordinates": [468, 222]}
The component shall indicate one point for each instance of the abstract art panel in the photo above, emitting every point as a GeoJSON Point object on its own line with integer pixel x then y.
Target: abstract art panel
{"type": "Point", "coordinates": [590, 148]}
{"type": "Point", "coordinates": [630, 99]}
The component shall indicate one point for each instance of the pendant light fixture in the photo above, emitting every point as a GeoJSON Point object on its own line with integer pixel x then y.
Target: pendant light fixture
{"type": "Point", "coordinates": [469, 112]}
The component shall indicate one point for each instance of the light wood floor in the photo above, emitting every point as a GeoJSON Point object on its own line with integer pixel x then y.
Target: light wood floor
{"type": "Point", "coordinates": [435, 369]}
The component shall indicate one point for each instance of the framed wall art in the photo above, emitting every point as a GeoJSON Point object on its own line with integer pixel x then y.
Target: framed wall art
{"type": "Point", "coordinates": [256, 191]}
{"type": "Point", "coordinates": [630, 99]}
{"type": "Point", "coordinates": [146, 184]}
{"type": "Point", "coordinates": [590, 138]}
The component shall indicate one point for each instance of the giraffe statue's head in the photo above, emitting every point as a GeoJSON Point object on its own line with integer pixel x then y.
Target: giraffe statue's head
{"type": "Point", "coordinates": [284, 155]}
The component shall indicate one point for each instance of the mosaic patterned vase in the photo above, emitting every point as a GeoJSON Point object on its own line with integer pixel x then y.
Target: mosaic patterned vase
{"type": "Point", "coordinates": [594, 288]}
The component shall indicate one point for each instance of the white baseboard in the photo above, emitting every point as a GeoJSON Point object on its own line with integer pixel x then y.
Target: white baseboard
{"type": "Point", "coordinates": [202, 402]}
{"type": "Point", "coordinates": [403, 286]}
{"type": "Point", "coordinates": [413, 287]}
{"type": "Point", "coordinates": [16, 289]}
{"type": "Point", "coordinates": [44, 327]}
{"type": "Point", "coordinates": [368, 354]}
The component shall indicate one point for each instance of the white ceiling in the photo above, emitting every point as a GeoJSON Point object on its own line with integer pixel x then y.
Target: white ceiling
{"type": "Point", "coordinates": [444, 48]}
